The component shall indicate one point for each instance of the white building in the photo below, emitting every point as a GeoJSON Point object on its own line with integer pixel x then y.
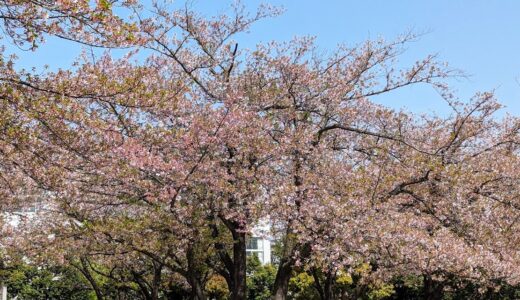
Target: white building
{"type": "Point", "coordinates": [260, 243]}
{"type": "Point", "coordinates": [261, 247]}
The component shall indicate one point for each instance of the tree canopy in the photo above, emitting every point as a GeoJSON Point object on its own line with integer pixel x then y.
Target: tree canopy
{"type": "Point", "coordinates": [150, 170]}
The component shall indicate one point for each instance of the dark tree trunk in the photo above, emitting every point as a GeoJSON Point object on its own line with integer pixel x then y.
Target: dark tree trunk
{"type": "Point", "coordinates": [235, 267]}
{"type": "Point", "coordinates": [317, 284]}
{"type": "Point", "coordinates": [156, 281]}
{"type": "Point", "coordinates": [281, 282]}
{"type": "Point", "coordinates": [197, 289]}
{"type": "Point", "coordinates": [239, 266]}
{"type": "Point", "coordinates": [325, 289]}
{"type": "Point", "coordinates": [285, 268]}
{"type": "Point", "coordinates": [329, 286]}
{"type": "Point", "coordinates": [194, 275]}
{"type": "Point", "coordinates": [324, 283]}
{"type": "Point", "coordinates": [432, 290]}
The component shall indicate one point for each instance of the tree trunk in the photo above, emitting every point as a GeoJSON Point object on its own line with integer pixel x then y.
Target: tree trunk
{"type": "Point", "coordinates": [285, 268]}
{"type": "Point", "coordinates": [239, 266]}
{"type": "Point", "coordinates": [329, 286]}
{"type": "Point", "coordinates": [317, 284]}
{"type": "Point", "coordinates": [197, 290]}
{"type": "Point", "coordinates": [156, 281]}
{"type": "Point", "coordinates": [194, 277]}
{"type": "Point", "coordinates": [431, 289]}
{"type": "Point", "coordinates": [281, 282]}
{"type": "Point", "coordinates": [325, 290]}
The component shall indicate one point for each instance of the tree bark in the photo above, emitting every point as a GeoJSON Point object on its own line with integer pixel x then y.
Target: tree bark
{"type": "Point", "coordinates": [236, 266]}
{"type": "Point", "coordinates": [329, 286]}
{"type": "Point", "coordinates": [239, 266]}
{"type": "Point", "coordinates": [317, 284]}
{"type": "Point", "coordinates": [197, 290]}
{"type": "Point", "coordinates": [431, 289]}
{"type": "Point", "coordinates": [156, 282]}
{"type": "Point", "coordinates": [325, 290]}
{"type": "Point", "coordinates": [194, 277]}
{"type": "Point", "coordinates": [281, 282]}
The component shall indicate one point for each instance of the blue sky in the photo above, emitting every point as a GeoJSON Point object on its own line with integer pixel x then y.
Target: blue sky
{"type": "Point", "coordinates": [480, 37]}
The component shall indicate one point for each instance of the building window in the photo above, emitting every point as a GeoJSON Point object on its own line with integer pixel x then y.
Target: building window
{"type": "Point", "coordinates": [252, 243]}
{"type": "Point", "coordinates": [260, 247]}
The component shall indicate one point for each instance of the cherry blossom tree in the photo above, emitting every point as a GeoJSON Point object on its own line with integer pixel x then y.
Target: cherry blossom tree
{"type": "Point", "coordinates": [27, 23]}
{"type": "Point", "coordinates": [161, 167]}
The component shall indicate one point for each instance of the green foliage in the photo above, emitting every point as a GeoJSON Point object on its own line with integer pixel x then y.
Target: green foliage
{"type": "Point", "coordinates": [452, 288]}
{"type": "Point", "coordinates": [30, 282]}
{"type": "Point", "coordinates": [382, 291]}
{"type": "Point", "coordinates": [105, 4]}
{"type": "Point", "coordinates": [344, 279]}
{"type": "Point", "coordinates": [66, 283]}
{"type": "Point", "coordinates": [408, 287]}
{"type": "Point", "coordinates": [253, 264]}
{"type": "Point", "coordinates": [216, 288]}
{"type": "Point", "coordinates": [301, 286]}
{"type": "Point", "coordinates": [260, 279]}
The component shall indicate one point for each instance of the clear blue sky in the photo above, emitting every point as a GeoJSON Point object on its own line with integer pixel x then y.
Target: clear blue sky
{"type": "Point", "coordinates": [480, 37]}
